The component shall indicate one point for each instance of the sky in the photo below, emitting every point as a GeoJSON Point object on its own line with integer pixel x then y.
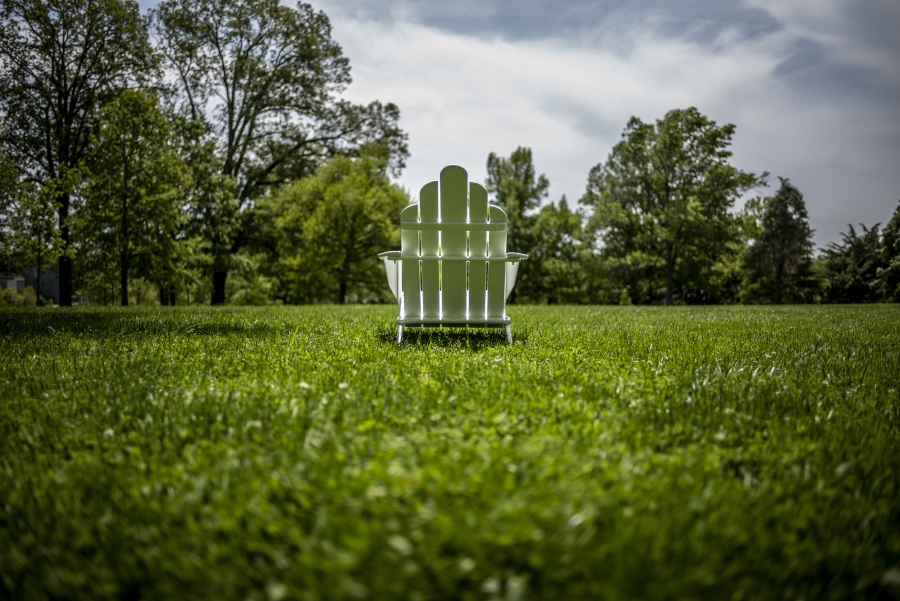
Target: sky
{"type": "Point", "coordinates": [813, 86]}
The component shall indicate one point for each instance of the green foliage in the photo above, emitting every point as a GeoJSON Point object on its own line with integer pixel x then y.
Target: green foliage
{"type": "Point", "coordinates": [298, 453]}
{"type": "Point", "coordinates": [661, 200]}
{"type": "Point", "coordinates": [9, 296]}
{"type": "Point", "coordinates": [9, 192]}
{"type": "Point", "coordinates": [36, 241]}
{"type": "Point", "coordinates": [779, 261]}
{"type": "Point", "coordinates": [60, 62]}
{"type": "Point", "coordinates": [248, 286]}
{"type": "Point", "coordinates": [132, 200]}
{"type": "Point", "coordinates": [889, 271]}
{"type": "Point", "coordinates": [329, 229]}
{"type": "Point", "coordinates": [212, 209]}
{"type": "Point", "coordinates": [851, 268]}
{"type": "Point", "coordinates": [555, 271]}
{"type": "Point", "coordinates": [517, 189]}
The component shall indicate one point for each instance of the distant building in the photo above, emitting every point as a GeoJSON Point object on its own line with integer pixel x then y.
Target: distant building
{"type": "Point", "coordinates": [49, 282]}
{"type": "Point", "coordinates": [16, 283]}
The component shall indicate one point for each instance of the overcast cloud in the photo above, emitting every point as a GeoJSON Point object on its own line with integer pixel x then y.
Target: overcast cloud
{"type": "Point", "coordinates": [812, 85]}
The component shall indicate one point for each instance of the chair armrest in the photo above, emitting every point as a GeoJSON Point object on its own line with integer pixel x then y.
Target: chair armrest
{"type": "Point", "coordinates": [390, 255]}
{"type": "Point", "coordinates": [515, 257]}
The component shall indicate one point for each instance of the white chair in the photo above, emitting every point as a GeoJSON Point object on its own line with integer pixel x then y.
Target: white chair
{"type": "Point", "coordinates": [452, 269]}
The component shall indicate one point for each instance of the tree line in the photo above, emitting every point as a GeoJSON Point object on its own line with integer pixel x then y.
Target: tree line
{"type": "Point", "coordinates": [202, 154]}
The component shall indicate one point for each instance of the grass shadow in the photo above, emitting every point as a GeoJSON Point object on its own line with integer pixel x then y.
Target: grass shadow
{"type": "Point", "coordinates": [102, 323]}
{"type": "Point", "coordinates": [475, 339]}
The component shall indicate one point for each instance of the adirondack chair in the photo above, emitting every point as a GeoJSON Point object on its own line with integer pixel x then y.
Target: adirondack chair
{"type": "Point", "coordinates": [452, 269]}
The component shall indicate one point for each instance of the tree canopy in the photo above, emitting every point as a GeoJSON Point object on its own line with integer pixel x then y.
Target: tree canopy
{"type": "Point", "coordinates": [132, 202]}
{"type": "Point", "coordinates": [664, 193]}
{"type": "Point", "coordinates": [330, 229]}
{"type": "Point", "coordinates": [779, 262]}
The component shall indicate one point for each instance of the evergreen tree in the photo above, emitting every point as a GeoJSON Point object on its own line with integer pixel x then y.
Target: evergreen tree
{"type": "Point", "coordinates": [517, 190]}
{"type": "Point", "coordinates": [889, 271]}
{"type": "Point", "coordinates": [779, 262]}
{"type": "Point", "coordinates": [851, 267]}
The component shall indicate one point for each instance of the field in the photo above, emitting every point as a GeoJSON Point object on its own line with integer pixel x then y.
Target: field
{"type": "Point", "coordinates": [299, 453]}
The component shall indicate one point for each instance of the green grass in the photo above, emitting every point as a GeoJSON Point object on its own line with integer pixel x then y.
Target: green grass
{"type": "Point", "coordinates": [610, 453]}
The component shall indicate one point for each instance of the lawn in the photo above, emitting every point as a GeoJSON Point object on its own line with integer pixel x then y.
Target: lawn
{"type": "Point", "coordinates": [299, 453]}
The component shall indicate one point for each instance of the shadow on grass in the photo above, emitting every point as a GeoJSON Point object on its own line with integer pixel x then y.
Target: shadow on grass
{"type": "Point", "coordinates": [124, 323]}
{"type": "Point", "coordinates": [474, 339]}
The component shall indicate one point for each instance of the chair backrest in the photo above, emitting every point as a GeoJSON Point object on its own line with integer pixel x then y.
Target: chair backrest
{"type": "Point", "coordinates": [453, 252]}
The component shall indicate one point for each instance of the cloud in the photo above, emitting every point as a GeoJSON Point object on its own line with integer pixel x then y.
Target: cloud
{"type": "Point", "coordinates": [861, 34]}
{"type": "Point", "coordinates": [463, 96]}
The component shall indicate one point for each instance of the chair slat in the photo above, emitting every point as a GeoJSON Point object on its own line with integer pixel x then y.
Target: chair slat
{"type": "Point", "coordinates": [409, 239]}
{"type": "Point", "coordinates": [453, 289]}
{"type": "Point", "coordinates": [477, 288]}
{"type": "Point", "coordinates": [431, 269]}
{"type": "Point", "coordinates": [496, 290]}
{"type": "Point", "coordinates": [497, 240]}
{"type": "Point", "coordinates": [478, 212]}
{"type": "Point", "coordinates": [454, 201]}
{"type": "Point", "coordinates": [412, 303]}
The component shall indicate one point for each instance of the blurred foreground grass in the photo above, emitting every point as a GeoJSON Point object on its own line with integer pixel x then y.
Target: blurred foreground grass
{"type": "Point", "coordinates": [610, 453]}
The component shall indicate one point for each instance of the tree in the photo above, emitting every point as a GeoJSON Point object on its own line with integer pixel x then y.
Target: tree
{"type": "Point", "coordinates": [213, 210]}
{"type": "Point", "coordinates": [664, 193]}
{"type": "Point", "coordinates": [779, 261]}
{"type": "Point", "coordinates": [132, 199]}
{"type": "Point", "coordinates": [28, 233]}
{"type": "Point", "coordinates": [555, 257]}
{"type": "Point", "coordinates": [331, 228]}
{"type": "Point", "coordinates": [275, 72]}
{"type": "Point", "coordinates": [60, 61]}
{"type": "Point", "coordinates": [517, 190]}
{"type": "Point", "coordinates": [889, 271]}
{"type": "Point", "coordinates": [9, 192]}
{"type": "Point", "coordinates": [851, 267]}
{"type": "Point", "coordinates": [36, 239]}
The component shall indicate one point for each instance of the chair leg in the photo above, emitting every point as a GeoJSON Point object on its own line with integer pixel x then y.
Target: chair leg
{"type": "Point", "coordinates": [399, 334]}
{"type": "Point", "coordinates": [508, 335]}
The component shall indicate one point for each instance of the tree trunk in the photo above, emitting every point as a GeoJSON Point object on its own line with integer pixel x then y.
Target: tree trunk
{"type": "Point", "coordinates": [163, 296]}
{"type": "Point", "coordinates": [37, 283]}
{"type": "Point", "coordinates": [123, 259]}
{"type": "Point", "coordinates": [779, 282]}
{"type": "Point", "coordinates": [342, 294]}
{"type": "Point", "coordinates": [123, 278]}
{"type": "Point", "coordinates": [220, 274]}
{"type": "Point", "coordinates": [670, 274]}
{"type": "Point", "coordinates": [65, 263]}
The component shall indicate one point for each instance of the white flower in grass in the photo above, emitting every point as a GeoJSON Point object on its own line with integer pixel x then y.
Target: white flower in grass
{"type": "Point", "coordinates": [304, 385]}
{"type": "Point", "coordinates": [108, 433]}
{"type": "Point", "coordinates": [343, 385]}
